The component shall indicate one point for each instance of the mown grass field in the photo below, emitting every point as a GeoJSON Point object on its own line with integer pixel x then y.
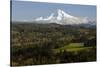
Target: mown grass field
{"type": "Point", "coordinates": [72, 47]}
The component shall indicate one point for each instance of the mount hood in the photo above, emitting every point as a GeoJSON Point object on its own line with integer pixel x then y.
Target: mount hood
{"type": "Point", "coordinates": [64, 19]}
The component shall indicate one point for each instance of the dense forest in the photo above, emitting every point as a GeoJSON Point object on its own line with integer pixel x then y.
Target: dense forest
{"type": "Point", "coordinates": [37, 44]}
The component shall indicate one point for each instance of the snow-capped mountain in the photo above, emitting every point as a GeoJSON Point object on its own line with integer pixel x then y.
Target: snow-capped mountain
{"type": "Point", "coordinates": [64, 19]}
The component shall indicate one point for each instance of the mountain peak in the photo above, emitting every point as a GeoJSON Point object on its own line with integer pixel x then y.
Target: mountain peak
{"type": "Point", "coordinates": [61, 12]}
{"type": "Point", "coordinates": [63, 18]}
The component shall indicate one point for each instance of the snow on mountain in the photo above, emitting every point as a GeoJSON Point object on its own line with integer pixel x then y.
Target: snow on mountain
{"type": "Point", "coordinates": [38, 19]}
{"type": "Point", "coordinates": [50, 17]}
{"type": "Point", "coordinates": [63, 18]}
{"type": "Point", "coordinates": [45, 19]}
{"type": "Point", "coordinates": [63, 14]}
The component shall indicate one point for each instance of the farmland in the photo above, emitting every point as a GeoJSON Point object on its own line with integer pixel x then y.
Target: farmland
{"type": "Point", "coordinates": [34, 43]}
{"type": "Point", "coordinates": [73, 47]}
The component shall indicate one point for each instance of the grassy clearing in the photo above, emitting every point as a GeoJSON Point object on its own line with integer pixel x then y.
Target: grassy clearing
{"type": "Point", "coordinates": [78, 49]}
{"type": "Point", "coordinates": [73, 47]}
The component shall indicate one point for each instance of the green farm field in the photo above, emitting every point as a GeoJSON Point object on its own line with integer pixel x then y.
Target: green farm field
{"type": "Point", "coordinates": [73, 47]}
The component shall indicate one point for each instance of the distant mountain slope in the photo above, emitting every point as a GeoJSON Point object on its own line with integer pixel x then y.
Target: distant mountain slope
{"type": "Point", "coordinates": [65, 19]}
